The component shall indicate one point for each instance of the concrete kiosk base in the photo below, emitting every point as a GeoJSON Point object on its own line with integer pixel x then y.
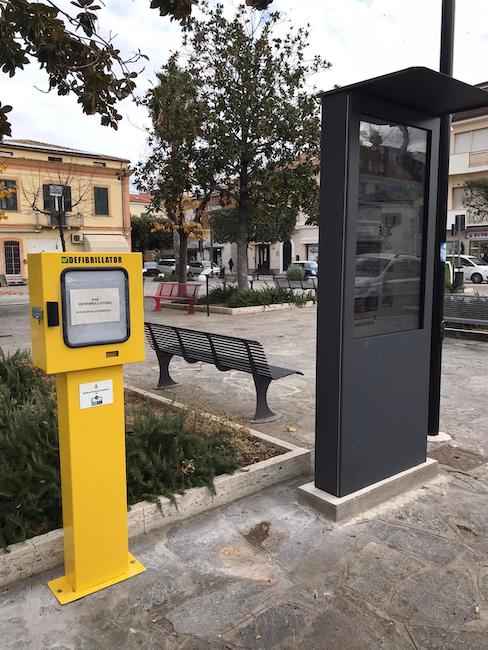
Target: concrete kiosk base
{"type": "Point", "coordinates": [340, 508]}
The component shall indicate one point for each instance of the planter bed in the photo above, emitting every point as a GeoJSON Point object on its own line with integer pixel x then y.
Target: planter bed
{"type": "Point", "coordinates": [271, 461]}
{"type": "Point", "coordinates": [237, 311]}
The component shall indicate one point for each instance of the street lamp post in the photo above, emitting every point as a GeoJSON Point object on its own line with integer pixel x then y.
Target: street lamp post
{"type": "Point", "coordinates": [446, 67]}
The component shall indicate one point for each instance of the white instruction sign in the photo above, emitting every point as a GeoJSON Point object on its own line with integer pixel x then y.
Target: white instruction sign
{"type": "Point", "coordinates": [97, 393]}
{"type": "Point", "coordinates": [91, 306]}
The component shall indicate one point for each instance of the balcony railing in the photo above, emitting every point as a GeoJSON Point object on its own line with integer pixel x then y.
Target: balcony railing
{"type": "Point", "coordinates": [477, 158]}
{"type": "Point", "coordinates": [74, 221]}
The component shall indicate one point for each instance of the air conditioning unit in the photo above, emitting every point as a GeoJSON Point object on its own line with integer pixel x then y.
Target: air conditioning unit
{"type": "Point", "coordinates": [77, 238]}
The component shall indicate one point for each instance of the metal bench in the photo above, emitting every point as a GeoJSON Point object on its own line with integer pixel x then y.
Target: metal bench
{"type": "Point", "coordinates": [310, 283]}
{"type": "Point", "coordinates": [224, 352]}
{"type": "Point", "coordinates": [176, 292]}
{"type": "Point", "coordinates": [464, 309]}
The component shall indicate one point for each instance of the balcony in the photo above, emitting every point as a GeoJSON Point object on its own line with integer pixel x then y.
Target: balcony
{"type": "Point", "coordinates": [466, 163]}
{"type": "Point", "coordinates": [471, 219]}
{"type": "Point", "coordinates": [478, 158]}
{"type": "Point", "coordinates": [73, 221]}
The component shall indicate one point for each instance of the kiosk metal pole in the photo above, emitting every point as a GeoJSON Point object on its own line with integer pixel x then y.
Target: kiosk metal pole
{"type": "Point", "coordinates": [446, 67]}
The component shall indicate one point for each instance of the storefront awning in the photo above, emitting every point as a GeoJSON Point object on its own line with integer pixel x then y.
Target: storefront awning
{"type": "Point", "coordinates": [106, 243]}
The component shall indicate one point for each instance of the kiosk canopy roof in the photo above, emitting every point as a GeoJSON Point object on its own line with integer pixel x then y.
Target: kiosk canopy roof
{"type": "Point", "coordinates": [421, 89]}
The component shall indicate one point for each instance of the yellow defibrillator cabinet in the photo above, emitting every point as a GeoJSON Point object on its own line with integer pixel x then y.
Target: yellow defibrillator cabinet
{"type": "Point", "coordinates": [87, 320]}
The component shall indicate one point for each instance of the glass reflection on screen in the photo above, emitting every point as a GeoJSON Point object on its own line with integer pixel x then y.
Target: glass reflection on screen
{"type": "Point", "coordinates": [392, 179]}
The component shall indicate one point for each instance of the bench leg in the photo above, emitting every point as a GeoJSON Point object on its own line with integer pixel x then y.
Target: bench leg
{"type": "Point", "coordinates": [263, 412]}
{"type": "Point", "coordinates": [165, 380]}
{"type": "Point", "coordinates": [191, 306]}
{"type": "Point", "coordinates": [157, 306]}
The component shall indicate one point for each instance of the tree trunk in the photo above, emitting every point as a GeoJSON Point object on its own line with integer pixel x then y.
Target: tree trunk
{"type": "Point", "coordinates": [60, 220]}
{"type": "Point", "coordinates": [242, 268]}
{"type": "Point", "coordinates": [182, 258]}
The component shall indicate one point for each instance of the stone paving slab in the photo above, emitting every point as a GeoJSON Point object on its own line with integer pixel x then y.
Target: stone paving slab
{"type": "Point", "coordinates": [267, 572]}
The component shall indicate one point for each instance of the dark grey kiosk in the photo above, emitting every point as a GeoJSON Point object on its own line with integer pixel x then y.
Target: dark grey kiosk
{"type": "Point", "coordinates": [379, 175]}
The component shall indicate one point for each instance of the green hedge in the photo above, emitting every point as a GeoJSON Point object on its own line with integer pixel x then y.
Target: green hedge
{"type": "Point", "coordinates": [231, 296]}
{"type": "Point", "coordinates": [166, 452]}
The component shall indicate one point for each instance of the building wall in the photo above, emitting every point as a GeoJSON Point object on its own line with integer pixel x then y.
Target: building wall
{"type": "Point", "coordinates": [468, 161]}
{"type": "Point", "coordinates": [31, 170]}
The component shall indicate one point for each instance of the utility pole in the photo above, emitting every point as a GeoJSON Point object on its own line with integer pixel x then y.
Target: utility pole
{"type": "Point", "coordinates": [446, 67]}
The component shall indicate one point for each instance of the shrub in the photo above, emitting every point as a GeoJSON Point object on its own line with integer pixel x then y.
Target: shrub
{"type": "Point", "coordinates": [165, 278]}
{"type": "Point", "coordinates": [295, 272]}
{"type": "Point", "coordinates": [231, 296]}
{"type": "Point", "coordinates": [167, 452]}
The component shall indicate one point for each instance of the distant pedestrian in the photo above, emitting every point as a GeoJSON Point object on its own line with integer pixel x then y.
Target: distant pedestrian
{"type": "Point", "coordinates": [485, 258]}
{"type": "Point", "coordinates": [231, 264]}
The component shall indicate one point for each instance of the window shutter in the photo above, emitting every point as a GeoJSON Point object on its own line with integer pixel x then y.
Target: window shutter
{"type": "Point", "coordinates": [101, 200]}
{"type": "Point", "coordinates": [67, 198]}
{"type": "Point", "coordinates": [46, 197]}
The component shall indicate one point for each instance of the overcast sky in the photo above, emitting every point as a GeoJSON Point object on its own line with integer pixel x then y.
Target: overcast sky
{"type": "Point", "coordinates": [361, 38]}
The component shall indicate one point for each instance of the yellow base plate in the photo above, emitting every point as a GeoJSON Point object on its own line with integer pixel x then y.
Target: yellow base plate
{"type": "Point", "coordinates": [63, 591]}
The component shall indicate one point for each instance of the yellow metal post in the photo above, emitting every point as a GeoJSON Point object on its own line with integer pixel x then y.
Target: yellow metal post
{"type": "Point", "coordinates": [93, 478]}
{"type": "Point", "coordinates": [86, 321]}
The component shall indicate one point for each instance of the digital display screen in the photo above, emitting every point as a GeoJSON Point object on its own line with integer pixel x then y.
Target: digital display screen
{"type": "Point", "coordinates": [95, 306]}
{"type": "Point", "coordinates": [389, 233]}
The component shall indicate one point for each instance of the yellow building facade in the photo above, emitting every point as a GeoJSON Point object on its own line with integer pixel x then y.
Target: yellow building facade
{"type": "Point", "coordinates": [92, 191]}
{"type": "Point", "coordinates": [468, 161]}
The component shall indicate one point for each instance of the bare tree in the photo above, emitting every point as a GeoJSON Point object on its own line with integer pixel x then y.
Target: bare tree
{"type": "Point", "coordinates": [64, 197]}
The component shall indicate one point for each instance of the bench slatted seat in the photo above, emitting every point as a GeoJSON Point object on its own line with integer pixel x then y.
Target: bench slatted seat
{"type": "Point", "coordinates": [310, 283]}
{"type": "Point", "coordinates": [224, 352]}
{"type": "Point", "coordinates": [175, 292]}
{"type": "Point", "coordinates": [463, 309]}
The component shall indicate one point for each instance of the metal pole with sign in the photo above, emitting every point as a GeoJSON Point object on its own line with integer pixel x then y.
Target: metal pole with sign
{"type": "Point", "coordinates": [379, 178]}
{"type": "Point", "coordinates": [86, 322]}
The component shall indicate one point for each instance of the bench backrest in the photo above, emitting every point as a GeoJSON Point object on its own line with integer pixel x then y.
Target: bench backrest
{"type": "Point", "coordinates": [296, 283]}
{"type": "Point", "coordinates": [177, 290]}
{"type": "Point", "coordinates": [462, 307]}
{"type": "Point", "coordinates": [225, 352]}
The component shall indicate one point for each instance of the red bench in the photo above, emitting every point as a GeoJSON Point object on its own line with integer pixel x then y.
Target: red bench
{"type": "Point", "coordinates": [176, 292]}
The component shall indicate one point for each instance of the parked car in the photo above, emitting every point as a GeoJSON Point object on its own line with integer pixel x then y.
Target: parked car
{"type": "Point", "coordinates": [310, 267]}
{"type": "Point", "coordinates": [150, 269]}
{"type": "Point", "coordinates": [474, 269]}
{"type": "Point", "coordinates": [167, 266]}
{"type": "Point", "coordinates": [203, 268]}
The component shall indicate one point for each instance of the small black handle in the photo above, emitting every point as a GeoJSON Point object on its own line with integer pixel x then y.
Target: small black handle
{"type": "Point", "coordinates": [52, 310]}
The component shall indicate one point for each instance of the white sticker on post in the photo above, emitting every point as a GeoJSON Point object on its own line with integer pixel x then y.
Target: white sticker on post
{"type": "Point", "coordinates": [94, 306]}
{"type": "Point", "coordinates": [97, 393]}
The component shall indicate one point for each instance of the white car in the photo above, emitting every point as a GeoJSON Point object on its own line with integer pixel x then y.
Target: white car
{"type": "Point", "coordinates": [203, 268]}
{"type": "Point", "coordinates": [474, 269]}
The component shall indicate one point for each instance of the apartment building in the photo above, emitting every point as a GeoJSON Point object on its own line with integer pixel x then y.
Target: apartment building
{"type": "Point", "coordinates": [468, 160]}
{"type": "Point", "coordinates": [92, 191]}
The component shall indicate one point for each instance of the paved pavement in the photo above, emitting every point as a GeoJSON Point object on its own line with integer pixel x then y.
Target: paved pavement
{"type": "Point", "coordinates": [267, 572]}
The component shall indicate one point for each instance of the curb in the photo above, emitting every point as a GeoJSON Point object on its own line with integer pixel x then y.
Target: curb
{"type": "Point", "coordinates": [35, 555]}
{"type": "Point", "coordinates": [237, 311]}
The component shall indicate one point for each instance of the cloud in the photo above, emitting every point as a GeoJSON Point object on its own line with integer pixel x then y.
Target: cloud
{"type": "Point", "coordinates": [362, 39]}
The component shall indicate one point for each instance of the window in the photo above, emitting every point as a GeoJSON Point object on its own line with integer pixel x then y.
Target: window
{"type": "Point", "coordinates": [12, 257]}
{"type": "Point", "coordinates": [54, 159]}
{"type": "Point", "coordinates": [462, 142]}
{"type": "Point", "coordinates": [101, 200]}
{"type": "Point", "coordinates": [9, 203]}
{"type": "Point", "coordinates": [49, 204]}
{"type": "Point", "coordinates": [480, 140]}
{"type": "Point", "coordinates": [457, 198]}
{"type": "Point", "coordinates": [97, 163]}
